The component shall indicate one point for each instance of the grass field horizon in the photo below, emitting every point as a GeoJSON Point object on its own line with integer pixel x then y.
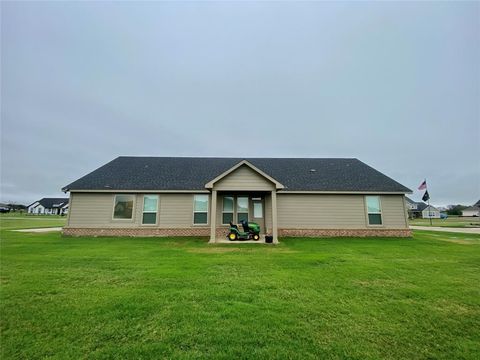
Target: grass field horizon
{"type": "Point", "coordinates": [150, 298]}
{"type": "Point", "coordinates": [451, 221]}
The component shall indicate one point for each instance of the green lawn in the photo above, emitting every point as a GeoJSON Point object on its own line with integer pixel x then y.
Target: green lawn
{"type": "Point", "coordinates": [27, 221]}
{"type": "Point", "coordinates": [452, 221]}
{"type": "Point", "coordinates": [153, 298]}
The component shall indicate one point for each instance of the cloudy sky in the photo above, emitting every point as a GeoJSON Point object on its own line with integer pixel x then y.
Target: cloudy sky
{"type": "Point", "coordinates": [396, 85]}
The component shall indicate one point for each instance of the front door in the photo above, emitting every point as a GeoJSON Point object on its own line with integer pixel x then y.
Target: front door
{"type": "Point", "coordinates": [258, 214]}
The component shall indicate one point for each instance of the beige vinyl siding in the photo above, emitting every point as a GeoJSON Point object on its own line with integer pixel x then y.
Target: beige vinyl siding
{"type": "Point", "coordinates": [295, 211]}
{"type": "Point", "coordinates": [176, 210]}
{"type": "Point", "coordinates": [91, 210]}
{"type": "Point", "coordinates": [305, 211]}
{"type": "Point", "coordinates": [393, 212]}
{"type": "Point", "coordinates": [319, 211]}
{"type": "Point", "coordinates": [244, 179]}
{"type": "Point", "coordinates": [96, 210]}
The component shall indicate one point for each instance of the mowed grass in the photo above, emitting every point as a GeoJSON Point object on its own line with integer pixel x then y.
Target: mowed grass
{"type": "Point", "coordinates": [27, 221]}
{"type": "Point", "coordinates": [452, 221]}
{"type": "Point", "coordinates": [153, 298]}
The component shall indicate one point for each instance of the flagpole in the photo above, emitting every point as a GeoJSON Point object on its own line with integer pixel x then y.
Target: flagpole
{"type": "Point", "coordinates": [428, 202]}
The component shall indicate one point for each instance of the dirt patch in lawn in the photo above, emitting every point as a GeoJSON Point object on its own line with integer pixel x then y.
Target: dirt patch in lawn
{"type": "Point", "coordinates": [228, 249]}
{"type": "Point", "coordinates": [214, 250]}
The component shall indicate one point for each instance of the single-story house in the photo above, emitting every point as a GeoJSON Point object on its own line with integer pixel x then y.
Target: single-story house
{"type": "Point", "coordinates": [418, 209]}
{"type": "Point", "coordinates": [4, 208]}
{"type": "Point", "coordinates": [473, 210]}
{"type": "Point", "coordinates": [184, 196]}
{"type": "Point", "coordinates": [429, 211]}
{"type": "Point", "coordinates": [49, 206]}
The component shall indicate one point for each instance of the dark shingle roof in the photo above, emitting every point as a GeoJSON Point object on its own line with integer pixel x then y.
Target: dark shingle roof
{"type": "Point", "coordinates": [187, 173]}
{"type": "Point", "coordinates": [51, 202]}
{"type": "Point", "coordinates": [421, 206]}
{"type": "Point", "coordinates": [410, 201]}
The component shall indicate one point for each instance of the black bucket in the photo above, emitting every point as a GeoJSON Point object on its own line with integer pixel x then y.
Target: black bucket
{"type": "Point", "coordinates": [268, 239]}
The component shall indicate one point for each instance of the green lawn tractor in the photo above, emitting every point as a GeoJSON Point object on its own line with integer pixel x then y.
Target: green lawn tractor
{"type": "Point", "coordinates": [251, 231]}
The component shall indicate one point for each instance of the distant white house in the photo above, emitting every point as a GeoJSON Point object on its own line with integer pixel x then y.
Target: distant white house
{"type": "Point", "coordinates": [473, 210]}
{"type": "Point", "coordinates": [430, 212]}
{"type": "Point", "coordinates": [49, 206]}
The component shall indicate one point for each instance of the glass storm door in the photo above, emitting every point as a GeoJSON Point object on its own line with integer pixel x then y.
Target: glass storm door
{"type": "Point", "coordinates": [258, 212]}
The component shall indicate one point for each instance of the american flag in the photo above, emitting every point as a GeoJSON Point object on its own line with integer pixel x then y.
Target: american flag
{"type": "Point", "coordinates": [423, 185]}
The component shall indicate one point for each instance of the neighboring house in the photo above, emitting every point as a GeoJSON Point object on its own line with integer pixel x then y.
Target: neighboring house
{"type": "Point", "coordinates": [473, 210]}
{"type": "Point", "coordinates": [412, 208]}
{"type": "Point", "coordinates": [429, 211]}
{"type": "Point", "coordinates": [160, 196]}
{"type": "Point", "coordinates": [49, 206]}
{"type": "Point", "coordinates": [421, 210]}
{"type": "Point", "coordinates": [4, 208]}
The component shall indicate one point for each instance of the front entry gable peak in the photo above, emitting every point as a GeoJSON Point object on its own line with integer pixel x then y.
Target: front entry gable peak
{"type": "Point", "coordinates": [211, 183]}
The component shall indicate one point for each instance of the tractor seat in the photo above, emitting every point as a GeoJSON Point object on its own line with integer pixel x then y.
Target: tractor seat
{"type": "Point", "coordinates": [245, 226]}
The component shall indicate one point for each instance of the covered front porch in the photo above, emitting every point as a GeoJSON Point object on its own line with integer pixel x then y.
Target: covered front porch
{"type": "Point", "coordinates": [243, 193]}
{"type": "Point", "coordinates": [236, 206]}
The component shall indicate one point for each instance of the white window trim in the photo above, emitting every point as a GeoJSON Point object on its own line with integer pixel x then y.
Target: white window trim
{"type": "Point", "coordinates": [150, 212]}
{"type": "Point", "coordinates": [374, 213]}
{"type": "Point", "coordinates": [228, 212]}
{"type": "Point", "coordinates": [133, 208]}
{"type": "Point", "coordinates": [242, 212]}
{"type": "Point", "coordinates": [208, 212]}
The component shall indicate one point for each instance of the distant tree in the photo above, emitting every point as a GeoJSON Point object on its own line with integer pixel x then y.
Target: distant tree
{"type": "Point", "coordinates": [455, 209]}
{"type": "Point", "coordinates": [17, 207]}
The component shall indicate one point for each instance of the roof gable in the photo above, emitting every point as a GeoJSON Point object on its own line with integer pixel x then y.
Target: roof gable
{"type": "Point", "coordinates": [235, 168]}
{"type": "Point", "coordinates": [429, 208]}
{"type": "Point", "coordinates": [32, 204]}
{"type": "Point", "coordinates": [421, 206]}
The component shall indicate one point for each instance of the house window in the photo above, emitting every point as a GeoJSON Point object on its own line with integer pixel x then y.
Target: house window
{"type": "Point", "coordinates": [123, 208]}
{"type": "Point", "coordinates": [227, 211]}
{"type": "Point", "coordinates": [257, 209]}
{"type": "Point", "coordinates": [242, 208]}
{"type": "Point", "coordinates": [200, 209]}
{"type": "Point", "coordinates": [150, 209]}
{"type": "Point", "coordinates": [374, 210]}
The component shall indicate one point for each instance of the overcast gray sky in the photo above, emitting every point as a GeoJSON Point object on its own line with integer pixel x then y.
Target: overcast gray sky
{"type": "Point", "coordinates": [396, 85]}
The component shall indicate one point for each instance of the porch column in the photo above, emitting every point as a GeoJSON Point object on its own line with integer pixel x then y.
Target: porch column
{"type": "Point", "coordinates": [213, 218]}
{"type": "Point", "coordinates": [274, 217]}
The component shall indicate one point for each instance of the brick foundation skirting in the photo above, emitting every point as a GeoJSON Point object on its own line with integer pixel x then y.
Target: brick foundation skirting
{"type": "Point", "coordinates": [136, 232]}
{"type": "Point", "coordinates": [222, 232]}
{"type": "Point", "coordinates": [344, 232]}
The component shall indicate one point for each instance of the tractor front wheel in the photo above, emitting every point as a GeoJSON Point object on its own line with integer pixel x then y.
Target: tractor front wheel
{"type": "Point", "coordinates": [256, 237]}
{"type": "Point", "coordinates": [232, 236]}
